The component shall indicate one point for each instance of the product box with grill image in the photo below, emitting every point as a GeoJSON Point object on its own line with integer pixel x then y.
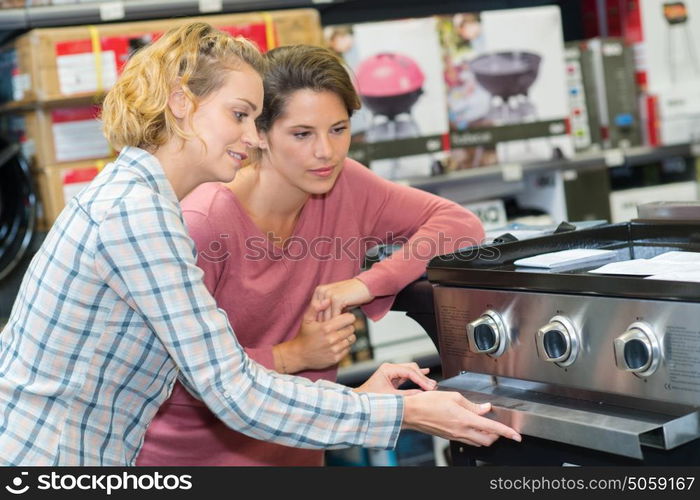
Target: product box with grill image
{"type": "Point", "coordinates": [505, 83]}
{"type": "Point", "coordinates": [397, 67]}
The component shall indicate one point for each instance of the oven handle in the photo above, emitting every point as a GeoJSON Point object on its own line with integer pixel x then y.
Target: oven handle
{"type": "Point", "coordinates": [593, 425]}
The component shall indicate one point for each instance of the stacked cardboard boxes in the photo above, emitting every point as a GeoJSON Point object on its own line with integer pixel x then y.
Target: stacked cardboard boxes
{"type": "Point", "coordinates": [57, 63]}
{"type": "Point", "coordinates": [55, 77]}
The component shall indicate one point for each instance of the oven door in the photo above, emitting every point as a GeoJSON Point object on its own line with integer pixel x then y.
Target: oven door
{"type": "Point", "coordinates": [533, 410]}
{"type": "Point", "coordinates": [18, 207]}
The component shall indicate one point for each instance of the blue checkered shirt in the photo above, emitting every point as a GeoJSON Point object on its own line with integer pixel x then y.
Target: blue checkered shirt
{"type": "Point", "coordinates": [113, 308]}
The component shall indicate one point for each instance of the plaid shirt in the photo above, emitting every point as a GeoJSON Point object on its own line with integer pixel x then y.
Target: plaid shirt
{"type": "Point", "coordinates": [113, 308]}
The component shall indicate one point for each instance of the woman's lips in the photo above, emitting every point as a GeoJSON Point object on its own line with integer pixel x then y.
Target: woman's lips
{"type": "Point", "coordinates": [238, 155]}
{"type": "Point", "coordinates": [322, 172]}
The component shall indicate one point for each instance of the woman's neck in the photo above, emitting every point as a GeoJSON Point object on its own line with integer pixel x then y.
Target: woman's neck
{"type": "Point", "coordinates": [266, 194]}
{"type": "Point", "coordinates": [269, 200]}
{"type": "Point", "coordinates": [181, 176]}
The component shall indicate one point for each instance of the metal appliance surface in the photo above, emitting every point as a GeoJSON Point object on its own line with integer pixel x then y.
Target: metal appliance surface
{"type": "Point", "coordinates": [606, 363]}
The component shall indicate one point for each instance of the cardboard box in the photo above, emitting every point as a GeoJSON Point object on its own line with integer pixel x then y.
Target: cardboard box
{"type": "Point", "coordinates": [398, 70]}
{"type": "Point", "coordinates": [18, 4]}
{"type": "Point", "coordinates": [506, 82]}
{"type": "Point", "coordinates": [65, 134]}
{"type": "Point", "coordinates": [672, 115]}
{"type": "Point", "coordinates": [583, 98]}
{"type": "Point", "coordinates": [671, 42]}
{"type": "Point", "coordinates": [671, 179]}
{"type": "Point", "coordinates": [623, 204]}
{"type": "Point", "coordinates": [59, 183]}
{"type": "Point", "coordinates": [56, 63]}
{"type": "Point", "coordinates": [616, 92]}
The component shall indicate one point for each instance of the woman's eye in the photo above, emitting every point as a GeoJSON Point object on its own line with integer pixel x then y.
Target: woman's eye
{"type": "Point", "coordinates": [340, 130]}
{"type": "Point", "coordinates": [301, 135]}
{"type": "Point", "coordinates": [240, 116]}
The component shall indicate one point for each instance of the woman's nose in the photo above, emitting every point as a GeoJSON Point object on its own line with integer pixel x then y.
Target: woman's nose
{"type": "Point", "coordinates": [250, 137]}
{"type": "Point", "coordinates": [324, 149]}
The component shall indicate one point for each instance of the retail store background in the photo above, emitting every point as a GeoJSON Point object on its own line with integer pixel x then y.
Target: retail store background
{"type": "Point", "coordinates": [597, 126]}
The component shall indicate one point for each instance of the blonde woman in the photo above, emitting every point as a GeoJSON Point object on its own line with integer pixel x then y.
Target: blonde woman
{"type": "Point", "coordinates": [113, 308]}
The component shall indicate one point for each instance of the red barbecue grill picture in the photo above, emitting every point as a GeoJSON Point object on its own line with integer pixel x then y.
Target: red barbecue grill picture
{"type": "Point", "coordinates": [389, 85]}
{"type": "Point", "coordinates": [676, 15]}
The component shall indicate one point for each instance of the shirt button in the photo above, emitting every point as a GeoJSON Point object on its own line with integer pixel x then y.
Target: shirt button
{"type": "Point", "coordinates": [227, 395]}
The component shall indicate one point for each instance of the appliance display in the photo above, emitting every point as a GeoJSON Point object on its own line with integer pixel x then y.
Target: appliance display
{"type": "Point", "coordinates": [598, 363]}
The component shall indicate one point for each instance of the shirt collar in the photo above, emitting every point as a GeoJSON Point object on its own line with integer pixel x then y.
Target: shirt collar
{"type": "Point", "coordinates": [151, 170]}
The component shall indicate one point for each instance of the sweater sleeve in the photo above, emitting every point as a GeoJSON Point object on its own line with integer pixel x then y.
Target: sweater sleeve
{"type": "Point", "coordinates": [424, 224]}
{"type": "Point", "coordinates": [212, 256]}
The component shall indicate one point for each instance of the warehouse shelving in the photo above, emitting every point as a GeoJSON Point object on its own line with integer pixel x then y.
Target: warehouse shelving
{"type": "Point", "coordinates": [135, 10]}
{"type": "Point", "coordinates": [508, 176]}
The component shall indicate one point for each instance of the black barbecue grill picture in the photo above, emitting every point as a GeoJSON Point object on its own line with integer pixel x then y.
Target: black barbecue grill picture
{"type": "Point", "coordinates": [508, 76]}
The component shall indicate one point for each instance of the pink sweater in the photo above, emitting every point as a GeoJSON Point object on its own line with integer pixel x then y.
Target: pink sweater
{"type": "Point", "coordinates": [265, 290]}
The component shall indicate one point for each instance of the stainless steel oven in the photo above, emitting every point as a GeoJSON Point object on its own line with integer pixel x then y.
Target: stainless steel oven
{"type": "Point", "coordinates": [602, 365]}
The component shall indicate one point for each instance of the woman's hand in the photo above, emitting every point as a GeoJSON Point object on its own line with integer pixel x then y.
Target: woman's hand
{"type": "Point", "coordinates": [318, 344]}
{"type": "Point", "coordinates": [389, 377]}
{"type": "Point", "coordinates": [451, 416]}
{"type": "Point", "coordinates": [342, 294]}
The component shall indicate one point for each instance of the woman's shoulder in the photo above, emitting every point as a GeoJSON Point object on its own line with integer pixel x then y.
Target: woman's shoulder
{"type": "Point", "coordinates": [209, 199]}
{"type": "Point", "coordinates": [356, 172]}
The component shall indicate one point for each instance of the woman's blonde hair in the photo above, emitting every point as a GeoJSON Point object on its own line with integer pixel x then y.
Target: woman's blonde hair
{"type": "Point", "coordinates": [196, 57]}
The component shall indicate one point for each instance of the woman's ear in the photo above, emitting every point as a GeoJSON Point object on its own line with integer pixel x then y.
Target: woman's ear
{"type": "Point", "coordinates": [262, 140]}
{"type": "Point", "coordinates": [178, 103]}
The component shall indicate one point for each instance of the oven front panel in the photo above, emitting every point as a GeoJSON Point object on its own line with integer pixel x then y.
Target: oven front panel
{"type": "Point", "coordinates": [638, 348]}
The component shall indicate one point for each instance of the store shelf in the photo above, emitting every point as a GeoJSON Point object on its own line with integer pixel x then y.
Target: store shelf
{"type": "Point", "coordinates": [72, 100]}
{"type": "Point", "coordinates": [513, 173]}
{"type": "Point", "coordinates": [136, 10]}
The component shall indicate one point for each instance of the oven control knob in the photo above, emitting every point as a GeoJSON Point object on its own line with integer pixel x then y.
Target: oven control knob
{"type": "Point", "coordinates": [488, 334]}
{"type": "Point", "coordinates": [558, 341]}
{"type": "Point", "coordinates": [637, 350]}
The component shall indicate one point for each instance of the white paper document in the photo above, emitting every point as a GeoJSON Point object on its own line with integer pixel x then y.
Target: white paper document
{"type": "Point", "coordinates": [677, 276]}
{"type": "Point", "coordinates": [678, 256]}
{"type": "Point", "coordinates": [665, 263]}
{"type": "Point", "coordinates": [566, 258]}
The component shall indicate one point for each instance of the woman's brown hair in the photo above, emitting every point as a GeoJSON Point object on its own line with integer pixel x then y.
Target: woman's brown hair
{"type": "Point", "coordinates": [298, 67]}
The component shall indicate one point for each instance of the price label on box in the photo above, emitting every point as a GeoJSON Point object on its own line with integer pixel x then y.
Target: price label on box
{"type": "Point", "coordinates": [614, 157]}
{"type": "Point", "coordinates": [210, 6]}
{"type": "Point", "coordinates": [111, 11]}
{"type": "Point", "coordinates": [512, 172]}
{"type": "Point", "coordinates": [695, 149]}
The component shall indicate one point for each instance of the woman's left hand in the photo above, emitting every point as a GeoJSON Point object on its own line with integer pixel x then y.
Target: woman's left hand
{"type": "Point", "coordinates": [389, 377]}
{"type": "Point", "coordinates": [342, 294]}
